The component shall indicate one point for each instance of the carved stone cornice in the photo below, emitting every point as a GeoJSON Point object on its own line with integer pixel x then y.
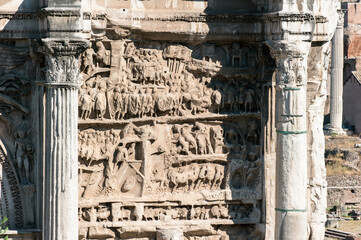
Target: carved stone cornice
{"type": "Point", "coordinates": [19, 15]}
{"type": "Point", "coordinates": [61, 12]}
{"type": "Point", "coordinates": [65, 47]}
{"type": "Point", "coordinates": [283, 48]}
{"type": "Point", "coordinates": [304, 17]}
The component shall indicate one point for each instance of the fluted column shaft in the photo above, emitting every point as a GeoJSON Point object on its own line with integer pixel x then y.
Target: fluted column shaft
{"type": "Point", "coordinates": [291, 148]}
{"type": "Point", "coordinates": [61, 153]}
{"type": "Point", "coordinates": [336, 109]}
{"type": "Point", "coordinates": [61, 178]}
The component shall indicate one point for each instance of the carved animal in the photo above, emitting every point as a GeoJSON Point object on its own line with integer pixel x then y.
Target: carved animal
{"type": "Point", "coordinates": [103, 214]}
{"type": "Point", "coordinates": [91, 214]}
{"type": "Point", "coordinates": [173, 213]}
{"type": "Point", "coordinates": [210, 174]}
{"type": "Point", "coordinates": [200, 105]}
{"type": "Point", "coordinates": [202, 176]}
{"type": "Point", "coordinates": [193, 176]}
{"type": "Point", "coordinates": [183, 176]}
{"type": "Point", "coordinates": [125, 214]}
{"type": "Point", "coordinates": [138, 212]}
{"type": "Point", "coordinates": [176, 178]}
{"type": "Point", "coordinates": [197, 212]}
{"type": "Point", "coordinates": [148, 214]}
{"type": "Point", "coordinates": [223, 210]}
{"type": "Point", "coordinates": [183, 213]}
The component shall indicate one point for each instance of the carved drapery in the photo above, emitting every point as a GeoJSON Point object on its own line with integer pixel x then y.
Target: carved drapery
{"type": "Point", "coordinates": [291, 148]}
{"type": "Point", "coordinates": [61, 111]}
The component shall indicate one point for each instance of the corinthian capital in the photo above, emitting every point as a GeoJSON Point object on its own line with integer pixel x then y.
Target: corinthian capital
{"type": "Point", "coordinates": [291, 62]}
{"type": "Point", "coordinates": [341, 17]}
{"type": "Point", "coordinates": [62, 63]}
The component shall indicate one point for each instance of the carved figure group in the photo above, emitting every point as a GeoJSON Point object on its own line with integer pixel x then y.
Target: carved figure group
{"type": "Point", "coordinates": [195, 140]}
{"type": "Point", "coordinates": [120, 213]}
{"type": "Point", "coordinates": [196, 176]}
{"type": "Point", "coordinates": [154, 82]}
{"type": "Point", "coordinates": [91, 59]}
{"type": "Point", "coordinates": [140, 103]}
{"type": "Point", "coordinates": [93, 98]}
{"type": "Point", "coordinates": [95, 145]}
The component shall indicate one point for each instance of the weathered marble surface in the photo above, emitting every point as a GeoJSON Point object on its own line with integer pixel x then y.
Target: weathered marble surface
{"type": "Point", "coordinates": [157, 119]}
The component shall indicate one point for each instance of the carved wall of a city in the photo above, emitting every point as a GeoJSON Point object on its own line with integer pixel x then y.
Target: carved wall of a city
{"type": "Point", "coordinates": [164, 119]}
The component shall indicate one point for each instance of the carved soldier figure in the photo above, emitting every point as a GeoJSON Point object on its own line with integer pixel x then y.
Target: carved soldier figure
{"type": "Point", "coordinates": [188, 137]}
{"type": "Point", "coordinates": [142, 102]}
{"type": "Point", "coordinates": [253, 170]}
{"type": "Point", "coordinates": [216, 99]}
{"type": "Point", "coordinates": [216, 138]}
{"type": "Point", "coordinates": [258, 96]}
{"type": "Point", "coordinates": [202, 137]}
{"type": "Point", "coordinates": [241, 99]}
{"type": "Point", "coordinates": [117, 99]}
{"type": "Point", "coordinates": [88, 64]}
{"type": "Point", "coordinates": [253, 133]}
{"type": "Point", "coordinates": [23, 155]}
{"type": "Point", "coordinates": [218, 178]}
{"type": "Point", "coordinates": [86, 105]}
{"type": "Point", "coordinates": [101, 102]}
{"type": "Point", "coordinates": [149, 102]}
{"type": "Point", "coordinates": [134, 103]}
{"type": "Point", "coordinates": [101, 55]}
{"type": "Point", "coordinates": [248, 105]}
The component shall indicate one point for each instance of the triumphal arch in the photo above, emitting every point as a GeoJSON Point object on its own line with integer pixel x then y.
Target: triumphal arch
{"type": "Point", "coordinates": [164, 119]}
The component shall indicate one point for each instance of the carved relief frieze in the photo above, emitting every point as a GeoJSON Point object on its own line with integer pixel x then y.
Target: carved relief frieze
{"type": "Point", "coordinates": [16, 138]}
{"type": "Point", "coordinates": [154, 83]}
{"type": "Point", "coordinates": [168, 133]}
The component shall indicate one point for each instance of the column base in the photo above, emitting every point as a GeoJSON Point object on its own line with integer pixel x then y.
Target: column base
{"type": "Point", "coordinates": [291, 226]}
{"type": "Point", "coordinates": [337, 131]}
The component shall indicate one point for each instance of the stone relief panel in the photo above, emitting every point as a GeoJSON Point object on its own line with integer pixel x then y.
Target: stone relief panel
{"type": "Point", "coordinates": [17, 158]}
{"type": "Point", "coordinates": [147, 82]}
{"type": "Point", "coordinates": [169, 135]}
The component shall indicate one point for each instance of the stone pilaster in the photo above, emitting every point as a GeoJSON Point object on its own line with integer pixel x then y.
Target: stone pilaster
{"type": "Point", "coordinates": [61, 153]}
{"type": "Point", "coordinates": [336, 108]}
{"type": "Point", "coordinates": [291, 148]}
{"type": "Point", "coordinates": [317, 185]}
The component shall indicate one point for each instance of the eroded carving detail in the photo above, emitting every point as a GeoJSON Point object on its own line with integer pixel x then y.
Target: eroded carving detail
{"type": "Point", "coordinates": [167, 137]}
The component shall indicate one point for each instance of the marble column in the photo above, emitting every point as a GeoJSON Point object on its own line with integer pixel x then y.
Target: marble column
{"type": "Point", "coordinates": [291, 147]}
{"type": "Point", "coordinates": [61, 128]}
{"type": "Point", "coordinates": [336, 108]}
